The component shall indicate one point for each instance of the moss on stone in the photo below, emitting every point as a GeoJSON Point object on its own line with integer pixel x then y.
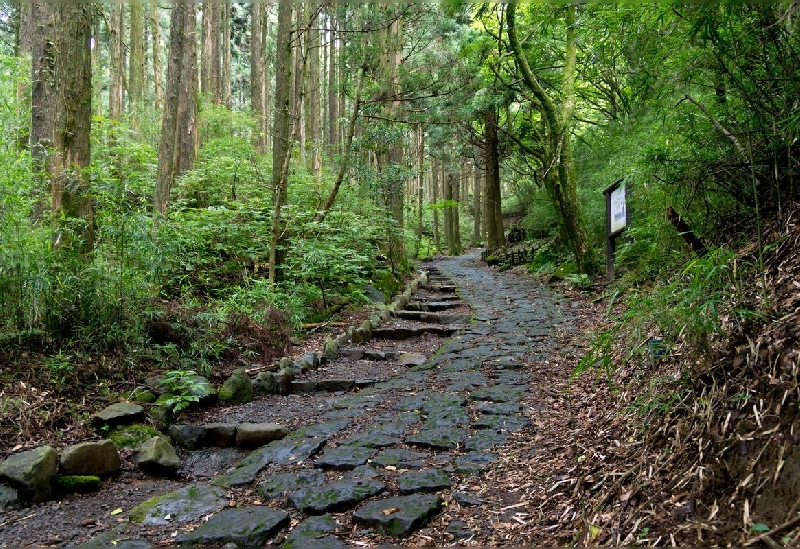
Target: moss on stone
{"type": "Point", "coordinates": [139, 513]}
{"type": "Point", "coordinates": [142, 395]}
{"type": "Point", "coordinates": [69, 484]}
{"type": "Point", "coordinates": [131, 436]}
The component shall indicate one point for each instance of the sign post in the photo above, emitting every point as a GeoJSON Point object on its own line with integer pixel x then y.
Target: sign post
{"type": "Point", "coordinates": [616, 221]}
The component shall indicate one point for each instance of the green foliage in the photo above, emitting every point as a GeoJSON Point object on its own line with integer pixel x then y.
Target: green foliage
{"type": "Point", "coordinates": [60, 368]}
{"type": "Point", "coordinates": [182, 387]}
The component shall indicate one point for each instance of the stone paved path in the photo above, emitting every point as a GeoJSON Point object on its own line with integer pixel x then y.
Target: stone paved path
{"type": "Point", "coordinates": [412, 448]}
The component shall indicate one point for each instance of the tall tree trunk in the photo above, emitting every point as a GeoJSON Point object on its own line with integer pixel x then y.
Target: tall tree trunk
{"type": "Point", "coordinates": [560, 177]}
{"type": "Point", "coordinates": [225, 71]}
{"type": "Point", "coordinates": [136, 69]}
{"type": "Point", "coordinates": [281, 136]}
{"type": "Point", "coordinates": [397, 253]}
{"type": "Point", "coordinates": [298, 83]}
{"type": "Point", "coordinates": [210, 83]}
{"type": "Point", "coordinates": [258, 97]}
{"type": "Point", "coordinates": [493, 218]}
{"type": "Point", "coordinates": [455, 230]}
{"type": "Point", "coordinates": [158, 87]}
{"type": "Point", "coordinates": [313, 120]}
{"type": "Point", "coordinates": [437, 238]}
{"type": "Point", "coordinates": [476, 206]}
{"type": "Point", "coordinates": [447, 194]}
{"type": "Point", "coordinates": [116, 76]}
{"type": "Point", "coordinates": [61, 115]}
{"type": "Point", "coordinates": [178, 129]}
{"type": "Point", "coordinates": [333, 101]}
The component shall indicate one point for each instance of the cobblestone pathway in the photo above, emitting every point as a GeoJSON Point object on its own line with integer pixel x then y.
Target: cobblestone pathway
{"type": "Point", "coordinates": [384, 459]}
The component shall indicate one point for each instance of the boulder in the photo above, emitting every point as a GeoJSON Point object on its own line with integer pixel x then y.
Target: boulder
{"type": "Point", "coordinates": [265, 384]}
{"type": "Point", "coordinates": [31, 473]}
{"type": "Point", "coordinates": [157, 456]}
{"type": "Point", "coordinates": [91, 458]}
{"type": "Point", "coordinates": [131, 436]}
{"type": "Point", "coordinates": [237, 389]}
{"type": "Point", "coordinates": [330, 349]}
{"type": "Point", "coordinates": [283, 380]}
{"type": "Point", "coordinates": [252, 435]}
{"type": "Point", "coordinates": [118, 414]}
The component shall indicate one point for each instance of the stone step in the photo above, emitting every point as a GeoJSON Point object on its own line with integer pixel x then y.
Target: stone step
{"type": "Point", "coordinates": [447, 298]}
{"type": "Point", "coordinates": [397, 333]}
{"type": "Point", "coordinates": [432, 306]}
{"type": "Point", "coordinates": [441, 288]}
{"type": "Point", "coordinates": [432, 318]}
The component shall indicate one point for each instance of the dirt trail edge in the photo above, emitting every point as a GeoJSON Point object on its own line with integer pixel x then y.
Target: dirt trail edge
{"type": "Point", "coordinates": [427, 449]}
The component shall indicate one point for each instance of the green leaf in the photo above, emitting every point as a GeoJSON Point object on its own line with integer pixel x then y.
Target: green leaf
{"type": "Point", "coordinates": [759, 527]}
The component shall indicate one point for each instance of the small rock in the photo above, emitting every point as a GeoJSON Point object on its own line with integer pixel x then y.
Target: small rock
{"type": "Point", "coordinates": [245, 527]}
{"type": "Point", "coordinates": [399, 516]}
{"type": "Point", "coordinates": [237, 389]}
{"type": "Point", "coordinates": [157, 456]}
{"type": "Point", "coordinates": [31, 473]}
{"type": "Point", "coordinates": [251, 435]}
{"type": "Point", "coordinates": [411, 359]}
{"type": "Point", "coordinates": [353, 353]}
{"type": "Point", "coordinates": [118, 414]}
{"type": "Point", "coordinates": [466, 500]}
{"type": "Point", "coordinates": [91, 458]}
{"type": "Point", "coordinates": [459, 530]}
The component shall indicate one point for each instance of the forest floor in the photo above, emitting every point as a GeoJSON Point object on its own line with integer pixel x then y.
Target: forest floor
{"type": "Point", "coordinates": [539, 457]}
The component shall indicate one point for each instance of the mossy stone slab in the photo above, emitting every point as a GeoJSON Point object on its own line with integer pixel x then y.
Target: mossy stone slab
{"type": "Point", "coordinates": [314, 532]}
{"type": "Point", "coordinates": [344, 458]}
{"type": "Point", "coordinates": [442, 438]}
{"type": "Point", "coordinates": [334, 496]}
{"type": "Point", "coordinates": [245, 527]}
{"type": "Point", "coordinates": [399, 516]}
{"type": "Point", "coordinates": [430, 480]}
{"type": "Point", "coordinates": [280, 451]}
{"type": "Point", "coordinates": [187, 504]}
{"type": "Point", "coordinates": [276, 485]}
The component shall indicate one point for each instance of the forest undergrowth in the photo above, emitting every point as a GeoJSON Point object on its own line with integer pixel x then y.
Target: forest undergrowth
{"type": "Point", "coordinates": [692, 439]}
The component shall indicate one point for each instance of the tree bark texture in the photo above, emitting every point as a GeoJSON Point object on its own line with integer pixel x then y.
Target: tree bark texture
{"type": "Point", "coordinates": [178, 128]}
{"type": "Point", "coordinates": [158, 80]}
{"type": "Point", "coordinates": [493, 215]}
{"type": "Point", "coordinates": [258, 64]}
{"type": "Point", "coordinates": [61, 116]}
{"type": "Point", "coordinates": [116, 78]}
{"type": "Point", "coordinates": [313, 119]}
{"type": "Point", "coordinates": [333, 101]}
{"type": "Point", "coordinates": [136, 67]}
{"type": "Point", "coordinates": [560, 178]}
{"type": "Point", "coordinates": [282, 135]}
